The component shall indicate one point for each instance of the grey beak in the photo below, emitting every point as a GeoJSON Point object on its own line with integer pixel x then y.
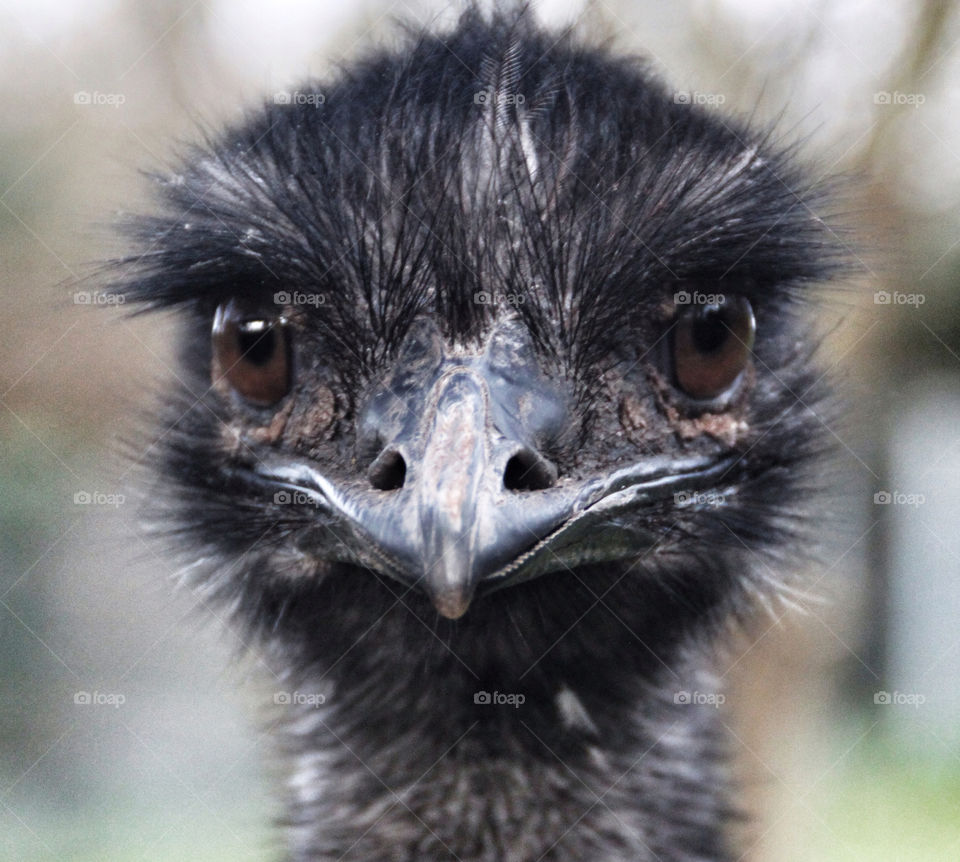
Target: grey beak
{"type": "Point", "coordinates": [466, 522]}
{"type": "Point", "coordinates": [452, 490]}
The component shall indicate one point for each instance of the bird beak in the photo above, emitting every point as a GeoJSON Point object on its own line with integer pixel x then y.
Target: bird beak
{"type": "Point", "coordinates": [449, 495]}
{"type": "Point", "coordinates": [460, 522]}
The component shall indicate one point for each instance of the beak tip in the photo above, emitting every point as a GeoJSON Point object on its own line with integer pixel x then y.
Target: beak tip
{"type": "Point", "coordinates": [452, 603]}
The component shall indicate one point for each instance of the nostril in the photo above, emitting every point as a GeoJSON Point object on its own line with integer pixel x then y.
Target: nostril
{"type": "Point", "coordinates": [528, 471]}
{"type": "Point", "coordinates": [388, 471]}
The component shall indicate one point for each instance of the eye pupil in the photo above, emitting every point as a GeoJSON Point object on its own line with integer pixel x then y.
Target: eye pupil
{"type": "Point", "coordinates": [709, 331]}
{"type": "Point", "coordinates": [257, 341]}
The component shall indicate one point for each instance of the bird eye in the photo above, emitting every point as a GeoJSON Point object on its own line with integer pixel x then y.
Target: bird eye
{"type": "Point", "coordinates": [711, 346]}
{"type": "Point", "coordinates": [251, 354]}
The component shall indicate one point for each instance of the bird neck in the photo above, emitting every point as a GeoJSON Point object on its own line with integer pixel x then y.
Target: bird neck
{"type": "Point", "coordinates": [466, 741]}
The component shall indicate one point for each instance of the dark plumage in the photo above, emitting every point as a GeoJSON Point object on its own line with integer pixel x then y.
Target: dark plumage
{"type": "Point", "coordinates": [464, 435]}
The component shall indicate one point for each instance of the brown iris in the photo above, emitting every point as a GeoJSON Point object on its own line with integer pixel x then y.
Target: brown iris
{"type": "Point", "coordinates": [712, 345]}
{"type": "Point", "coordinates": [251, 354]}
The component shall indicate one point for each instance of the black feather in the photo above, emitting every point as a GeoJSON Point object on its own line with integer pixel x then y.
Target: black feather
{"type": "Point", "coordinates": [496, 159]}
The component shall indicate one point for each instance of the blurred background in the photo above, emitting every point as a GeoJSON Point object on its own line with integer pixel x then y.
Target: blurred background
{"type": "Point", "coordinates": [127, 730]}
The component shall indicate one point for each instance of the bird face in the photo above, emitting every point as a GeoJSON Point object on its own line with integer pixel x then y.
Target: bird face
{"type": "Point", "coordinates": [460, 492]}
{"type": "Point", "coordinates": [476, 468]}
{"type": "Point", "coordinates": [464, 344]}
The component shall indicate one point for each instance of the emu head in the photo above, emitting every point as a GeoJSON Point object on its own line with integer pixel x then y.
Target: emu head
{"type": "Point", "coordinates": [482, 317]}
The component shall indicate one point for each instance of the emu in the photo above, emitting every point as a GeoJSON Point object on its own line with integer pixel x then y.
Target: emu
{"type": "Point", "coordinates": [494, 413]}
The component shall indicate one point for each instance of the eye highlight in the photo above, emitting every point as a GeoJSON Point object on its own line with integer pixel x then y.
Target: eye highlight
{"type": "Point", "coordinates": [251, 354]}
{"type": "Point", "coordinates": [712, 346]}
